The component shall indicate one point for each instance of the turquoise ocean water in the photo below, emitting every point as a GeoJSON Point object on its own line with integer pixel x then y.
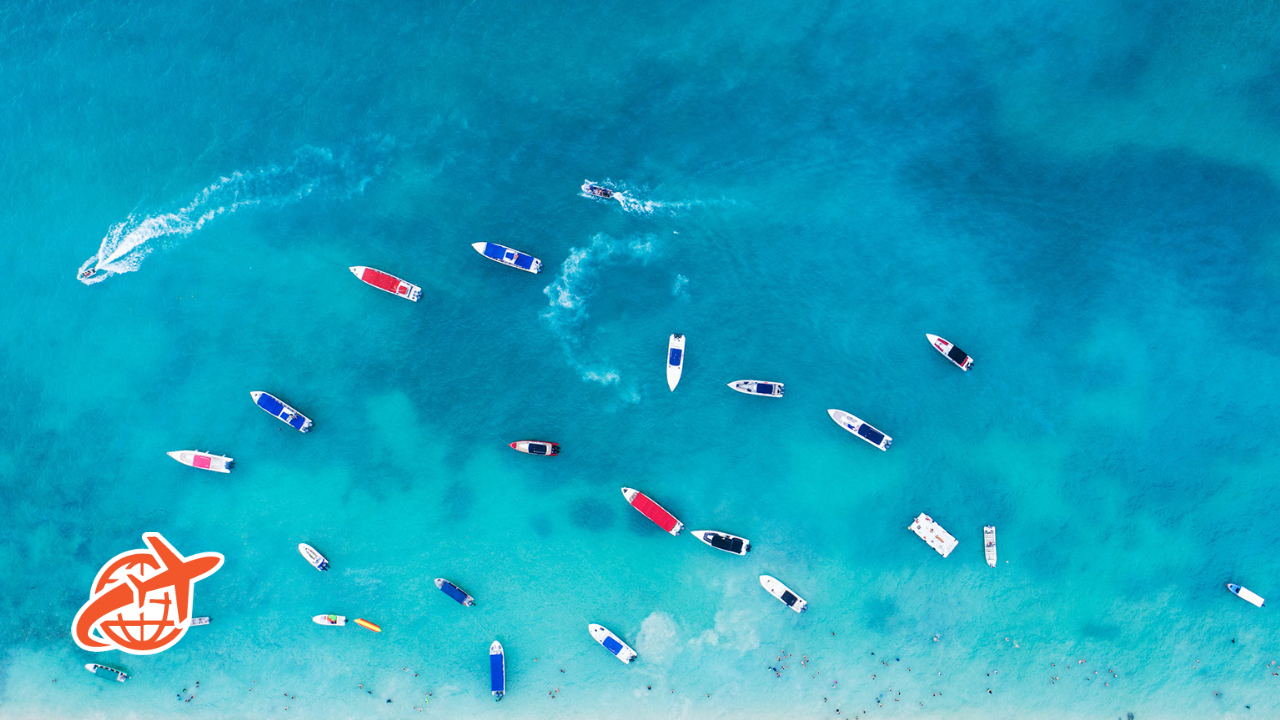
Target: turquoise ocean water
{"type": "Point", "coordinates": [1083, 196]}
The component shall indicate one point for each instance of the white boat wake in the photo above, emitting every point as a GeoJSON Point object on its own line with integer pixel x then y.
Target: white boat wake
{"type": "Point", "coordinates": [129, 242]}
{"type": "Point", "coordinates": [625, 198]}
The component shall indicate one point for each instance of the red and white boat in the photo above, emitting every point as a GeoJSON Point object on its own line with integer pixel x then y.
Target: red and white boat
{"type": "Point", "coordinates": [203, 460]}
{"type": "Point", "coordinates": [653, 511]}
{"type": "Point", "coordinates": [536, 447]}
{"type": "Point", "coordinates": [957, 356]}
{"type": "Point", "coordinates": [390, 283]}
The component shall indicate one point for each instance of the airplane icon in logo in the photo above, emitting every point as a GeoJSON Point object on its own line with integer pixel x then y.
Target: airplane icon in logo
{"type": "Point", "coordinates": [179, 573]}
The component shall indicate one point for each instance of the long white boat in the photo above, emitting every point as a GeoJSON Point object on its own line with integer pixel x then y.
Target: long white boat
{"type": "Point", "coordinates": [497, 671]}
{"type": "Point", "coordinates": [203, 460]}
{"type": "Point", "coordinates": [200, 621]}
{"type": "Point", "coordinates": [860, 428]}
{"type": "Point", "coordinates": [612, 643]}
{"type": "Point", "coordinates": [314, 557]}
{"type": "Point", "coordinates": [932, 533]}
{"type": "Point", "coordinates": [757, 387]}
{"type": "Point", "coordinates": [331, 620]}
{"type": "Point", "coordinates": [724, 541]}
{"type": "Point", "coordinates": [989, 542]}
{"type": "Point", "coordinates": [1246, 594]}
{"type": "Point", "coordinates": [783, 593]}
{"type": "Point", "coordinates": [387, 282]}
{"type": "Point", "coordinates": [948, 349]}
{"type": "Point", "coordinates": [675, 360]}
{"type": "Point", "coordinates": [107, 672]}
{"type": "Point", "coordinates": [508, 256]}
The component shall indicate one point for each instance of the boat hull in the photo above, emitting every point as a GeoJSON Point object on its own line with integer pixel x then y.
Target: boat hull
{"type": "Point", "coordinates": [536, 447]}
{"type": "Point", "coordinates": [759, 388]}
{"type": "Point", "coordinates": [989, 543]}
{"type": "Point", "coordinates": [330, 620]}
{"type": "Point", "coordinates": [724, 542]}
{"type": "Point", "coordinates": [510, 257]}
{"type": "Point", "coordinates": [281, 410]}
{"type": "Point", "coordinates": [955, 355]}
{"type": "Point", "coordinates": [933, 534]}
{"type": "Point", "coordinates": [784, 594]}
{"type": "Point", "coordinates": [1246, 594]}
{"type": "Point", "coordinates": [107, 672]}
{"type": "Point", "coordinates": [387, 282]}
{"type": "Point", "coordinates": [861, 429]}
{"type": "Point", "coordinates": [653, 511]}
{"type": "Point", "coordinates": [203, 460]}
{"type": "Point", "coordinates": [675, 360]}
{"type": "Point", "coordinates": [314, 557]}
{"type": "Point", "coordinates": [612, 643]}
{"type": "Point", "coordinates": [455, 592]}
{"type": "Point", "coordinates": [497, 670]}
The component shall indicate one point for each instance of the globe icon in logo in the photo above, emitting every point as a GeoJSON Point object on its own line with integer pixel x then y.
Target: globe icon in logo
{"type": "Point", "coordinates": [147, 623]}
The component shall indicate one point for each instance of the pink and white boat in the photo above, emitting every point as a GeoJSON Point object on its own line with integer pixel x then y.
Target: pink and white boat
{"type": "Point", "coordinates": [203, 460]}
{"type": "Point", "coordinates": [653, 511]}
{"type": "Point", "coordinates": [389, 283]}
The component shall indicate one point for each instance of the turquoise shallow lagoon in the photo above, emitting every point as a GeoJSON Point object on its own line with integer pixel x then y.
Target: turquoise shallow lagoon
{"type": "Point", "coordinates": [1083, 197]}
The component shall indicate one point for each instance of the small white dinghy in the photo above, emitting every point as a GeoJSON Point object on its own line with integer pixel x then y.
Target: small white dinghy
{"type": "Point", "coordinates": [200, 621]}
{"type": "Point", "coordinates": [675, 360]}
{"type": "Point", "coordinates": [1246, 594]}
{"type": "Point", "coordinates": [856, 426]}
{"type": "Point", "coordinates": [957, 356]}
{"type": "Point", "coordinates": [203, 460]}
{"type": "Point", "coordinates": [612, 643]}
{"type": "Point", "coordinates": [989, 541]}
{"type": "Point", "coordinates": [724, 541]}
{"type": "Point", "coordinates": [314, 557]}
{"type": "Point", "coordinates": [783, 593]}
{"type": "Point", "coordinates": [762, 388]}
{"type": "Point", "coordinates": [333, 620]}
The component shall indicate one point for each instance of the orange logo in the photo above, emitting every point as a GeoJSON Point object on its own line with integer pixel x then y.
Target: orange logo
{"type": "Point", "coordinates": [141, 599]}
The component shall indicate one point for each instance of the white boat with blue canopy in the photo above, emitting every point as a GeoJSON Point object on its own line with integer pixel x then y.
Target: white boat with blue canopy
{"type": "Point", "coordinates": [277, 407]}
{"type": "Point", "coordinates": [612, 643]}
{"type": "Point", "coordinates": [757, 387]}
{"type": "Point", "coordinates": [675, 360]}
{"type": "Point", "coordinates": [861, 429]}
{"type": "Point", "coordinates": [508, 256]}
{"type": "Point", "coordinates": [455, 592]}
{"type": "Point", "coordinates": [497, 671]}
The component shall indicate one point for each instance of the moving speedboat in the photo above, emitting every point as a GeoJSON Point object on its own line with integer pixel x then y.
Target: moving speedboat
{"type": "Point", "coordinates": [597, 190]}
{"type": "Point", "coordinates": [202, 460]}
{"type": "Point", "coordinates": [675, 360]}
{"type": "Point", "coordinates": [200, 621]}
{"type": "Point", "coordinates": [333, 620]}
{"type": "Point", "coordinates": [507, 256]}
{"type": "Point", "coordinates": [653, 511]}
{"type": "Point", "coordinates": [103, 671]}
{"type": "Point", "coordinates": [455, 592]}
{"type": "Point", "coordinates": [314, 557]}
{"type": "Point", "coordinates": [612, 643]}
{"type": "Point", "coordinates": [88, 273]}
{"type": "Point", "coordinates": [275, 406]}
{"type": "Point", "coordinates": [861, 429]}
{"type": "Point", "coordinates": [783, 593]}
{"type": "Point", "coordinates": [536, 447]}
{"type": "Point", "coordinates": [389, 283]}
{"type": "Point", "coordinates": [757, 387]}
{"type": "Point", "coordinates": [724, 541]}
{"type": "Point", "coordinates": [1246, 594]}
{"type": "Point", "coordinates": [989, 540]}
{"type": "Point", "coordinates": [497, 671]}
{"type": "Point", "coordinates": [952, 353]}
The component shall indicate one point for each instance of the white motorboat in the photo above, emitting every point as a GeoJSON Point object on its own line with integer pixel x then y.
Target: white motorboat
{"type": "Point", "coordinates": [387, 282]}
{"type": "Point", "coordinates": [783, 593]}
{"type": "Point", "coordinates": [314, 557]}
{"type": "Point", "coordinates": [989, 541]}
{"type": "Point", "coordinates": [104, 671]}
{"type": "Point", "coordinates": [508, 256]}
{"type": "Point", "coordinates": [612, 643]}
{"type": "Point", "coordinates": [497, 671]}
{"type": "Point", "coordinates": [333, 620]}
{"type": "Point", "coordinates": [861, 429]}
{"type": "Point", "coordinates": [200, 620]}
{"type": "Point", "coordinates": [948, 349]}
{"type": "Point", "coordinates": [757, 387]}
{"type": "Point", "coordinates": [1246, 594]}
{"type": "Point", "coordinates": [537, 447]}
{"type": "Point", "coordinates": [675, 360]}
{"type": "Point", "coordinates": [724, 541]}
{"type": "Point", "coordinates": [932, 533]}
{"type": "Point", "coordinates": [203, 460]}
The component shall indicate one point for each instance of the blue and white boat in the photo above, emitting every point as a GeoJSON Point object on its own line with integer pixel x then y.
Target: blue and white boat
{"type": "Point", "coordinates": [275, 406]}
{"type": "Point", "coordinates": [675, 360]}
{"type": "Point", "coordinates": [497, 671]}
{"type": "Point", "coordinates": [455, 592]}
{"type": "Point", "coordinates": [861, 429]}
{"type": "Point", "coordinates": [757, 387]}
{"type": "Point", "coordinates": [507, 256]}
{"type": "Point", "coordinates": [612, 643]}
{"type": "Point", "coordinates": [109, 673]}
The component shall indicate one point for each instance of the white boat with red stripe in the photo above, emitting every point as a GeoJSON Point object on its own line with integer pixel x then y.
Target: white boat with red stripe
{"type": "Point", "coordinates": [653, 511]}
{"type": "Point", "coordinates": [958, 357]}
{"type": "Point", "coordinates": [203, 460]}
{"type": "Point", "coordinates": [537, 447]}
{"type": "Point", "coordinates": [389, 283]}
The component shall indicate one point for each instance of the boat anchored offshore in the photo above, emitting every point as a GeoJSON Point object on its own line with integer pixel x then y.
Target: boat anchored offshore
{"type": "Point", "coordinates": [653, 511]}
{"type": "Point", "coordinates": [783, 593]}
{"type": "Point", "coordinates": [938, 539]}
{"type": "Point", "coordinates": [595, 190]}
{"type": "Point", "coordinates": [536, 447]}
{"type": "Point", "coordinates": [724, 541]}
{"type": "Point", "coordinates": [331, 620]}
{"type": "Point", "coordinates": [1246, 594]}
{"type": "Point", "coordinates": [314, 557]}
{"type": "Point", "coordinates": [387, 282]}
{"type": "Point", "coordinates": [507, 256]}
{"type": "Point", "coordinates": [612, 643]}
{"type": "Point", "coordinates": [199, 621]}
{"type": "Point", "coordinates": [757, 387]}
{"type": "Point", "coordinates": [861, 429]}
{"type": "Point", "coordinates": [952, 353]}
{"type": "Point", "coordinates": [203, 460]}
{"type": "Point", "coordinates": [675, 360]}
{"type": "Point", "coordinates": [275, 406]}
{"type": "Point", "coordinates": [989, 541]}
{"type": "Point", "coordinates": [103, 671]}
{"type": "Point", "coordinates": [497, 671]}
{"type": "Point", "coordinates": [455, 592]}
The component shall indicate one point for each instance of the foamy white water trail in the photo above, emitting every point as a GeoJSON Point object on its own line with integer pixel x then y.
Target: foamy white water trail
{"type": "Point", "coordinates": [628, 200]}
{"type": "Point", "coordinates": [130, 241]}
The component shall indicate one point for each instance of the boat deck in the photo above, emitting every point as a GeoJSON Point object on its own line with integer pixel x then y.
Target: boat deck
{"type": "Point", "coordinates": [932, 533]}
